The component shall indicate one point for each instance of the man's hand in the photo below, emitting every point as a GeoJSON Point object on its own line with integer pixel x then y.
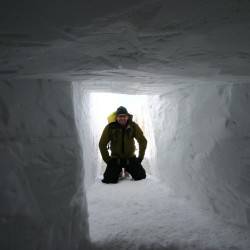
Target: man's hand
{"type": "Point", "coordinates": [109, 160]}
{"type": "Point", "coordinates": [138, 160]}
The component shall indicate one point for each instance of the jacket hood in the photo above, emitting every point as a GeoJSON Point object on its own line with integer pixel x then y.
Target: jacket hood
{"type": "Point", "coordinates": [112, 117]}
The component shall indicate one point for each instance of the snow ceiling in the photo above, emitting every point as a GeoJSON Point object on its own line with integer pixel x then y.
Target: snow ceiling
{"type": "Point", "coordinates": [126, 45]}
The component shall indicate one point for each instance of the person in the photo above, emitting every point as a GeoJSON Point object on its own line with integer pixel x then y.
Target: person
{"type": "Point", "coordinates": [120, 134]}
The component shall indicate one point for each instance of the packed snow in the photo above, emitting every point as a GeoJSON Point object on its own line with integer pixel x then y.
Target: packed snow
{"type": "Point", "coordinates": [147, 215]}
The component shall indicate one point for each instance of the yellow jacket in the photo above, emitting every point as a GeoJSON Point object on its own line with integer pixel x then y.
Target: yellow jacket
{"type": "Point", "coordinates": [121, 139]}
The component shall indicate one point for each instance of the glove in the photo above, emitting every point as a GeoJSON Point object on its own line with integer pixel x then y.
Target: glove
{"type": "Point", "coordinates": [138, 160]}
{"type": "Point", "coordinates": [110, 159]}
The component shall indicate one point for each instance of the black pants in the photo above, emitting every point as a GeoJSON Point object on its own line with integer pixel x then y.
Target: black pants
{"type": "Point", "coordinates": [114, 168]}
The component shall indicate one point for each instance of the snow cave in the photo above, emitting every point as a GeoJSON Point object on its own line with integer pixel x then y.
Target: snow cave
{"type": "Point", "coordinates": [182, 68]}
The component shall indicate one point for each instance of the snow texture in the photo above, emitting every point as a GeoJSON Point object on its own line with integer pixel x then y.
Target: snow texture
{"type": "Point", "coordinates": [146, 215]}
{"type": "Point", "coordinates": [138, 42]}
{"type": "Point", "coordinates": [191, 57]}
{"type": "Point", "coordinates": [43, 204]}
{"type": "Point", "coordinates": [203, 146]}
{"type": "Point", "coordinates": [88, 137]}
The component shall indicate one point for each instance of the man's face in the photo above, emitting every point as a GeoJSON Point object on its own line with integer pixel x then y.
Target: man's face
{"type": "Point", "coordinates": [122, 119]}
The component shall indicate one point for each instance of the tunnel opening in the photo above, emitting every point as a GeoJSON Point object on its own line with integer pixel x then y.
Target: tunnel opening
{"type": "Point", "coordinates": [92, 110]}
{"type": "Point", "coordinates": [103, 104]}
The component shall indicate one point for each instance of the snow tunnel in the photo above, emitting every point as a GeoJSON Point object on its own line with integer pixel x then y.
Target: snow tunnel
{"type": "Point", "coordinates": [182, 69]}
{"type": "Point", "coordinates": [194, 151]}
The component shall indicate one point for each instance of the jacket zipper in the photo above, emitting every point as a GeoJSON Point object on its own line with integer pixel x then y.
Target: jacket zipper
{"type": "Point", "coordinates": [123, 132]}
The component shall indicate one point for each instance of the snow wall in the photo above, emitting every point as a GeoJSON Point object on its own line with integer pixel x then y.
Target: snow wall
{"type": "Point", "coordinates": [42, 199]}
{"type": "Point", "coordinates": [88, 136]}
{"type": "Point", "coordinates": [203, 146]}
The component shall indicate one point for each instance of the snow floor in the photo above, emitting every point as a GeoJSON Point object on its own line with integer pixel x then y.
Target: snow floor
{"type": "Point", "coordinates": [146, 215]}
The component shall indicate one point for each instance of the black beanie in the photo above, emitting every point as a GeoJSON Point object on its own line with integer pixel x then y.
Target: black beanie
{"type": "Point", "coordinates": [121, 111]}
